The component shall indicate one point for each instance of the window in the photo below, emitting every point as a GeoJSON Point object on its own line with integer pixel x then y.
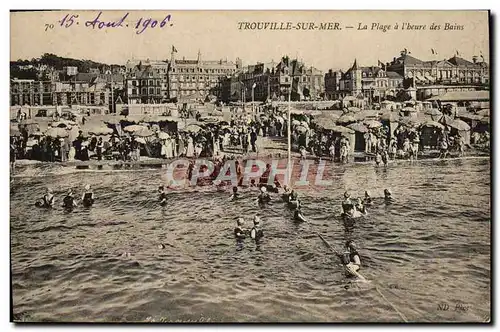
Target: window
{"type": "Point", "coordinates": [150, 83]}
{"type": "Point", "coordinates": [134, 91]}
{"type": "Point", "coordinates": [194, 78]}
{"type": "Point", "coordinates": [134, 83]}
{"type": "Point", "coordinates": [144, 91]}
{"type": "Point", "coordinates": [158, 91]}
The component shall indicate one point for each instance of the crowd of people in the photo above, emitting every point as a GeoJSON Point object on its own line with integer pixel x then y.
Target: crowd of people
{"type": "Point", "coordinates": [241, 135]}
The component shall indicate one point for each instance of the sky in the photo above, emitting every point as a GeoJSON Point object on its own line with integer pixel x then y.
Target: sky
{"type": "Point", "coordinates": [216, 35]}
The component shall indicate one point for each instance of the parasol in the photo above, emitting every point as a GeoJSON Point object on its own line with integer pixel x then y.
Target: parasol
{"type": "Point", "coordinates": [390, 116]}
{"type": "Point", "coordinates": [210, 119]}
{"type": "Point", "coordinates": [470, 116]}
{"type": "Point", "coordinates": [192, 128]}
{"type": "Point", "coordinates": [409, 121]}
{"type": "Point", "coordinates": [57, 132]}
{"type": "Point", "coordinates": [144, 132]}
{"type": "Point", "coordinates": [133, 128]}
{"type": "Point", "coordinates": [433, 112]}
{"type": "Point", "coordinates": [112, 121]}
{"type": "Point", "coordinates": [459, 125]}
{"type": "Point", "coordinates": [100, 131]}
{"type": "Point", "coordinates": [359, 127]}
{"type": "Point", "coordinates": [163, 135]}
{"type": "Point", "coordinates": [373, 124]}
{"type": "Point", "coordinates": [408, 109]}
{"type": "Point", "coordinates": [63, 124]}
{"type": "Point", "coordinates": [445, 119]}
{"type": "Point", "coordinates": [484, 112]}
{"type": "Point", "coordinates": [353, 109]}
{"type": "Point", "coordinates": [431, 123]}
{"type": "Point", "coordinates": [346, 118]}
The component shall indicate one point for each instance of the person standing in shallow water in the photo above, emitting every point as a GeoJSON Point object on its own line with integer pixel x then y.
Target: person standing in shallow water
{"type": "Point", "coordinates": [47, 201]}
{"type": "Point", "coordinates": [69, 201]}
{"type": "Point", "coordinates": [162, 196]}
{"type": "Point", "coordinates": [388, 196]}
{"type": "Point", "coordinates": [88, 197]}
{"type": "Point", "coordinates": [264, 196]}
{"type": "Point", "coordinates": [351, 257]}
{"type": "Point", "coordinates": [256, 233]}
{"type": "Point", "coordinates": [239, 232]}
{"type": "Point", "coordinates": [235, 194]}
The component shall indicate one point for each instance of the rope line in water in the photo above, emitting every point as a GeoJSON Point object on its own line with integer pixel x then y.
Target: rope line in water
{"type": "Point", "coordinates": [403, 317]}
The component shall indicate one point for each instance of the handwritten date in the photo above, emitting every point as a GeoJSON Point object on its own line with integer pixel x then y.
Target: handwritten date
{"type": "Point", "coordinates": [98, 23]}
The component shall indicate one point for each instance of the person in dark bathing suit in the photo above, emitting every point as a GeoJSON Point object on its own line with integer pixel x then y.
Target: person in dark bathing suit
{"type": "Point", "coordinates": [351, 257]}
{"type": "Point", "coordinates": [256, 233]}
{"type": "Point", "coordinates": [347, 205]}
{"type": "Point", "coordinates": [235, 194]}
{"type": "Point", "coordinates": [286, 194]}
{"type": "Point", "coordinates": [239, 232]}
{"type": "Point", "coordinates": [264, 196]}
{"type": "Point", "coordinates": [47, 201]}
{"type": "Point", "coordinates": [367, 200]}
{"type": "Point", "coordinates": [388, 196]}
{"type": "Point", "coordinates": [360, 206]}
{"type": "Point", "coordinates": [69, 201]}
{"type": "Point", "coordinates": [162, 196]}
{"type": "Point", "coordinates": [88, 197]}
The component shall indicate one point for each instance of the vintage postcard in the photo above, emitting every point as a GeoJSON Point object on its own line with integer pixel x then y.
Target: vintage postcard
{"type": "Point", "coordinates": [250, 166]}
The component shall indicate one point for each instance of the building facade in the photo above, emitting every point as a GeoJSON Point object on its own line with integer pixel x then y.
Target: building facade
{"type": "Point", "coordinates": [374, 83]}
{"type": "Point", "coordinates": [455, 70]}
{"type": "Point", "coordinates": [272, 80]}
{"type": "Point", "coordinates": [30, 92]}
{"type": "Point", "coordinates": [40, 93]}
{"type": "Point", "coordinates": [198, 77]}
{"type": "Point", "coordinates": [147, 83]}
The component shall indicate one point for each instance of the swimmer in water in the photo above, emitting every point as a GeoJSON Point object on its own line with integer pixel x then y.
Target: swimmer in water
{"type": "Point", "coordinates": [264, 196]}
{"type": "Point", "coordinates": [360, 206]}
{"type": "Point", "coordinates": [88, 197]}
{"type": "Point", "coordinates": [368, 199]}
{"type": "Point", "coordinates": [69, 201]}
{"type": "Point", "coordinates": [256, 233]}
{"type": "Point", "coordinates": [162, 196]}
{"type": "Point", "coordinates": [274, 188]}
{"type": "Point", "coordinates": [239, 232]}
{"type": "Point", "coordinates": [294, 202]}
{"type": "Point", "coordinates": [347, 205]}
{"type": "Point", "coordinates": [388, 195]}
{"type": "Point", "coordinates": [47, 201]}
{"type": "Point", "coordinates": [378, 158]}
{"type": "Point", "coordinates": [235, 194]}
{"type": "Point", "coordinates": [286, 194]}
{"type": "Point", "coordinates": [351, 257]}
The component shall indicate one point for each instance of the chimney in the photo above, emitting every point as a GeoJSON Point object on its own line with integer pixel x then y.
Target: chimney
{"type": "Point", "coordinates": [474, 59]}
